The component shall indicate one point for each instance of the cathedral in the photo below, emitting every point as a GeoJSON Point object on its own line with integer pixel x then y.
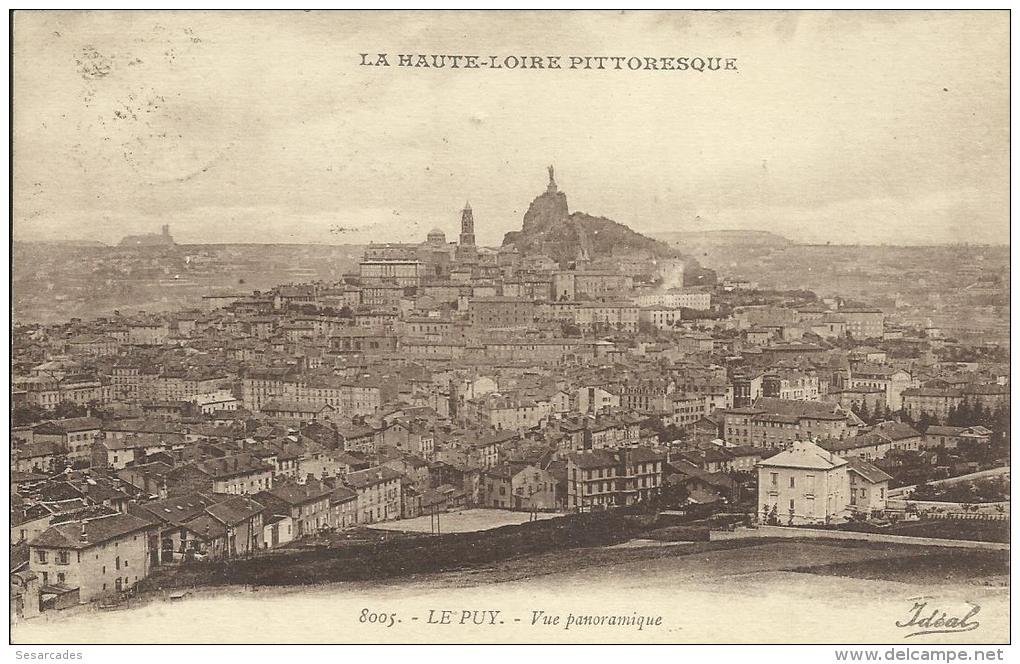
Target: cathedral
{"type": "Point", "coordinates": [435, 260]}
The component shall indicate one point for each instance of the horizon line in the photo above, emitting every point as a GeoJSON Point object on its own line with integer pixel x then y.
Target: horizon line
{"type": "Point", "coordinates": [85, 241]}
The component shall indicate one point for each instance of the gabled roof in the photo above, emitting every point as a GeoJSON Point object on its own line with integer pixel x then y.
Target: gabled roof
{"type": "Point", "coordinates": [894, 431]}
{"type": "Point", "coordinates": [206, 527]}
{"type": "Point", "coordinates": [371, 476]}
{"type": "Point", "coordinates": [234, 510]}
{"type": "Point", "coordinates": [43, 448]}
{"type": "Point", "coordinates": [97, 531]}
{"type": "Point", "coordinates": [944, 431]}
{"type": "Point", "coordinates": [141, 441]}
{"type": "Point", "coordinates": [300, 494]}
{"type": "Point", "coordinates": [233, 466]}
{"type": "Point", "coordinates": [805, 455]}
{"type": "Point", "coordinates": [816, 410]}
{"type": "Point", "coordinates": [69, 425]}
{"type": "Point", "coordinates": [867, 471]}
{"type": "Point", "coordinates": [342, 494]}
{"type": "Point", "coordinates": [179, 510]}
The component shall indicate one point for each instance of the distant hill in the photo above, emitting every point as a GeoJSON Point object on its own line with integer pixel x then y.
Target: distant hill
{"type": "Point", "coordinates": [550, 228]}
{"type": "Point", "coordinates": [57, 281]}
{"type": "Point", "coordinates": [744, 238]}
{"type": "Point", "coordinates": [64, 243]}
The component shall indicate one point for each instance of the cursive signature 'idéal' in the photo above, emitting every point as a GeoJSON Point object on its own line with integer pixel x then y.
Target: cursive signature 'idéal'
{"type": "Point", "coordinates": [937, 621]}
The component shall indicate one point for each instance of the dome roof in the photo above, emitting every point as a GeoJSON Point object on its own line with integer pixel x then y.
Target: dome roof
{"type": "Point", "coordinates": [436, 231]}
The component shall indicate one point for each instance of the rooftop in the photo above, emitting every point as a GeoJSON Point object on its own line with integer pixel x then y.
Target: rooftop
{"type": "Point", "coordinates": [83, 534]}
{"type": "Point", "coordinates": [806, 455]}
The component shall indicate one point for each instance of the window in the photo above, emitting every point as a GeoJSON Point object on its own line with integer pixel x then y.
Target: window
{"type": "Point", "coordinates": [60, 577]}
{"type": "Point", "coordinates": [41, 557]}
{"type": "Point", "coordinates": [792, 483]}
{"type": "Point", "coordinates": [775, 479]}
{"type": "Point", "coordinates": [791, 504]}
{"type": "Point", "coordinates": [63, 558]}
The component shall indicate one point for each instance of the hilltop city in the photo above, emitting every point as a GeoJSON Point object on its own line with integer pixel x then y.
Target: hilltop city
{"type": "Point", "coordinates": [580, 368]}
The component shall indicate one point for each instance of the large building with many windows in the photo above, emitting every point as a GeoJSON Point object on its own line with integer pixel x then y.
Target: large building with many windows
{"type": "Point", "coordinates": [599, 479]}
{"type": "Point", "coordinates": [776, 423]}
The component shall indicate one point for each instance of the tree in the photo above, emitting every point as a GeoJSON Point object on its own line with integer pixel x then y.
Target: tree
{"type": "Point", "coordinates": [27, 414]}
{"type": "Point", "coordinates": [881, 412]}
{"type": "Point", "coordinates": [568, 329]}
{"type": "Point", "coordinates": [863, 413]}
{"type": "Point", "coordinates": [67, 409]}
{"type": "Point", "coordinates": [672, 495]}
{"type": "Point", "coordinates": [923, 492]}
{"type": "Point", "coordinates": [978, 415]}
{"type": "Point", "coordinates": [923, 422]}
{"type": "Point", "coordinates": [1000, 421]}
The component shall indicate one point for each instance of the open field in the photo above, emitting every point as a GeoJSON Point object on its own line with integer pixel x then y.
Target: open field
{"type": "Point", "coordinates": [985, 531]}
{"type": "Point", "coordinates": [464, 521]}
{"type": "Point", "coordinates": [727, 592]}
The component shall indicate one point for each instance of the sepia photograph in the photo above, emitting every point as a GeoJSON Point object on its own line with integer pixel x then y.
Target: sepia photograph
{"type": "Point", "coordinates": [510, 327]}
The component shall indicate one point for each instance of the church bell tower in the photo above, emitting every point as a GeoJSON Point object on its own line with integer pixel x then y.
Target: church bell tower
{"type": "Point", "coordinates": [467, 226]}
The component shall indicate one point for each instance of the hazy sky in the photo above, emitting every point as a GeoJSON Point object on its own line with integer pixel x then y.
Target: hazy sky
{"type": "Point", "coordinates": [851, 127]}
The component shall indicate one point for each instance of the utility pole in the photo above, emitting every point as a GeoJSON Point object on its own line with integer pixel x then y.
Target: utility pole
{"type": "Point", "coordinates": [434, 524]}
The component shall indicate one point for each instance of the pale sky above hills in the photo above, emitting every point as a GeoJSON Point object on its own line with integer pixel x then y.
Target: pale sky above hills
{"type": "Point", "coordinates": [866, 127]}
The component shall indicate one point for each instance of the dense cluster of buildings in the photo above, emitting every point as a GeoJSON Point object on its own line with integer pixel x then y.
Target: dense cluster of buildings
{"type": "Point", "coordinates": [447, 375]}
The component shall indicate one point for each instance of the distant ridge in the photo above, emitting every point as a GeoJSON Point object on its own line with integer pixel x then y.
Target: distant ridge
{"type": "Point", "coordinates": [65, 243]}
{"type": "Point", "coordinates": [724, 237]}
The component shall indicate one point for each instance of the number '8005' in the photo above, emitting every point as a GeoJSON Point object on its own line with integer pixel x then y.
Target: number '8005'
{"type": "Point", "coordinates": [384, 619]}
